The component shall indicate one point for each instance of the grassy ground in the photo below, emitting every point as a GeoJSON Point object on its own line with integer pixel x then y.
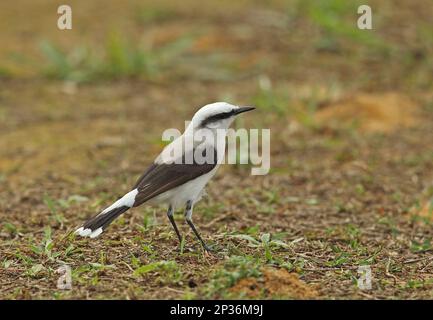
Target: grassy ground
{"type": "Point", "coordinates": [351, 119]}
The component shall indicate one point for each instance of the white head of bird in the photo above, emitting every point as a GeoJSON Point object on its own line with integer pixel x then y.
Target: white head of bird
{"type": "Point", "coordinates": [206, 130]}
{"type": "Point", "coordinates": [218, 115]}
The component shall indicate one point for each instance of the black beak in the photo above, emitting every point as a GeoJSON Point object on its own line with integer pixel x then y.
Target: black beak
{"type": "Point", "coordinates": [243, 109]}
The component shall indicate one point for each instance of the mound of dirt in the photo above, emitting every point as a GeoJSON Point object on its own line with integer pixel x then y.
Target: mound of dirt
{"type": "Point", "coordinates": [383, 113]}
{"type": "Point", "coordinates": [425, 212]}
{"type": "Point", "coordinates": [274, 283]}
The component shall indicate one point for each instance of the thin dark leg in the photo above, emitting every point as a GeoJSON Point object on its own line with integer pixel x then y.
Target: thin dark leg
{"type": "Point", "coordinates": [173, 223]}
{"type": "Point", "coordinates": [188, 214]}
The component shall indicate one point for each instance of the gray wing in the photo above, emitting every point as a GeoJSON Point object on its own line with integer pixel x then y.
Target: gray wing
{"type": "Point", "coordinates": [159, 178]}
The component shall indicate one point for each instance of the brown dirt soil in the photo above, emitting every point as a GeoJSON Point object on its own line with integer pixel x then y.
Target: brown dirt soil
{"type": "Point", "coordinates": [425, 212]}
{"type": "Point", "coordinates": [274, 283]}
{"type": "Point", "coordinates": [383, 112]}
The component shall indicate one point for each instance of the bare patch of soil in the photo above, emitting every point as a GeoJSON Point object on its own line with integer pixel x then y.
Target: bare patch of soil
{"type": "Point", "coordinates": [274, 283]}
{"type": "Point", "coordinates": [384, 112]}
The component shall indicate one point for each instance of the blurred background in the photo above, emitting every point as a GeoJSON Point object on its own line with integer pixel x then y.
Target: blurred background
{"type": "Point", "coordinates": [351, 117]}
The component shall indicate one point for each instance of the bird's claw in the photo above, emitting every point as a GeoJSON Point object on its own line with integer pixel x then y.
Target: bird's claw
{"type": "Point", "coordinates": [209, 249]}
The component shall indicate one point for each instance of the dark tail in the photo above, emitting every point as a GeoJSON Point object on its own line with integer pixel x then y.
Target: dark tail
{"type": "Point", "coordinates": [96, 225]}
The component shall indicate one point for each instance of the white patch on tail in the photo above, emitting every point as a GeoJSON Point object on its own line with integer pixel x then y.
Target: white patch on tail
{"type": "Point", "coordinates": [83, 232]}
{"type": "Point", "coordinates": [96, 233]}
{"type": "Point", "coordinates": [88, 232]}
{"type": "Point", "coordinates": [127, 200]}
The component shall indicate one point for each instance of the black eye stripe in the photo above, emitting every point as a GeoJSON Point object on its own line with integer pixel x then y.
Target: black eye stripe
{"type": "Point", "coordinates": [216, 117]}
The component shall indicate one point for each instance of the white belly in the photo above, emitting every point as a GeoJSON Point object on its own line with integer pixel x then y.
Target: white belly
{"type": "Point", "coordinates": [191, 190]}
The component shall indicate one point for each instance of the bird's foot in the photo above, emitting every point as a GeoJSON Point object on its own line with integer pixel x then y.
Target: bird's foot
{"type": "Point", "coordinates": [210, 249]}
{"type": "Point", "coordinates": [206, 248]}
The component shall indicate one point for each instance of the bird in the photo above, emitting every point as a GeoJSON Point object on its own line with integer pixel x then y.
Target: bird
{"type": "Point", "coordinates": [179, 174]}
